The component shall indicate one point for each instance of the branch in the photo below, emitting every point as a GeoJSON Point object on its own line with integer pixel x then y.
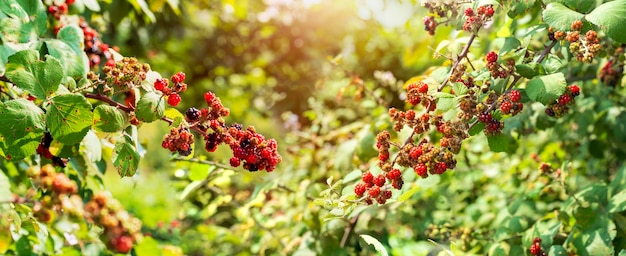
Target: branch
{"type": "Point", "coordinates": [108, 100]}
{"type": "Point", "coordinates": [348, 230]}
{"type": "Point", "coordinates": [195, 160]}
{"type": "Point", "coordinates": [458, 61]}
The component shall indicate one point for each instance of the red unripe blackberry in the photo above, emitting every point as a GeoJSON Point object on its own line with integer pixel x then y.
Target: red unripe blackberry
{"type": "Point", "coordinates": [209, 97]}
{"type": "Point", "coordinates": [394, 174]}
{"type": "Point", "coordinates": [425, 117]}
{"type": "Point", "coordinates": [550, 112]}
{"type": "Point", "coordinates": [110, 63]}
{"type": "Point", "coordinates": [485, 117]}
{"type": "Point", "coordinates": [469, 12]}
{"type": "Point", "coordinates": [123, 244]}
{"type": "Point", "coordinates": [379, 180]}
{"type": "Point", "coordinates": [387, 194]}
{"type": "Point", "coordinates": [359, 189]}
{"type": "Point", "coordinates": [178, 77]}
{"type": "Point", "coordinates": [535, 249]}
{"type": "Point", "coordinates": [397, 184]}
{"type": "Point", "coordinates": [441, 167]}
{"type": "Point", "coordinates": [489, 11]}
{"type": "Point", "coordinates": [383, 156]}
{"type": "Point", "coordinates": [415, 152]}
{"type": "Point", "coordinates": [491, 57]}
{"type": "Point", "coordinates": [52, 9]}
{"type": "Point", "coordinates": [410, 114]}
{"type": "Point", "coordinates": [160, 84]}
{"type": "Point", "coordinates": [173, 99]}
{"type": "Point", "coordinates": [421, 169]}
{"type": "Point", "coordinates": [575, 90]}
{"type": "Point", "coordinates": [537, 240]}
{"type": "Point", "coordinates": [516, 96]}
{"type": "Point", "coordinates": [235, 162]}
{"type": "Point", "coordinates": [251, 158]}
{"type": "Point", "coordinates": [63, 8]}
{"type": "Point", "coordinates": [564, 99]}
{"type": "Point", "coordinates": [505, 108]}
{"type": "Point", "coordinates": [423, 88]}
{"type": "Point", "coordinates": [374, 191]}
{"type": "Point", "coordinates": [381, 200]}
{"type": "Point", "coordinates": [367, 177]}
{"type": "Point", "coordinates": [69, 2]}
{"type": "Point", "coordinates": [192, 114]}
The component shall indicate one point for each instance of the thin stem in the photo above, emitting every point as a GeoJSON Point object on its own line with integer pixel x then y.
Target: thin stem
{"type": "Point", "coordinates": [195, 160]}
{"type": "Point", "coordinates": [109, 101]}
{"type": "Point", "coordinates": [285, 188]}
{"type": "Point", "coordinates": [348, 230]}
{"type": "Point", "coordinates": [458, 61]}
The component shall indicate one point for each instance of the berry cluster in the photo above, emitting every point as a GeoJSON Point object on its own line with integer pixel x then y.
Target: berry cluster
{"type": "Point", "coordinates": [125, 75]}
{"type": "Point", "coordinates": [510, 103]}
{"type": "Point", "coordinates": [121, 229]}
{"type": "Point", "coordinates": [374, 187]}
{"type": "Point", "coordinates": [496, 69]}
{"type": "Point", "coordinates": [44, 151]}
{"type": "Point", "coordinates": [57, 10]}
{"type": "Point", "coordinates": [418, 93]}
{"type": "Point", "coordinates": [179, 140]}
{"type": "Point", "coordinates": [172, 92]}
{"type": "Point", "coordinates": [59, 193]}
{"type": "Point", "coordinates": [439, 9]}
{"type": "Point", "coordinates": [561, 105]}
{"type": "Point", "coordinates": [95, 49]}
{"type": "Point", "coordinates": [584, 47]}
{"type": "Point", "coordinates": [535, 248]}
{"type": "Point", "coordinates": [474, 20]}
{"type": "Point", "coordinates": [257, 152]}
{"type": "Point", "coordinates": [612, 72]}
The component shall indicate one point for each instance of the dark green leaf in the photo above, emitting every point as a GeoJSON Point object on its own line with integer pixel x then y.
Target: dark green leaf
{"type": "Point", "coordinates": [22, 127]}
{"type": "Point", "coordinates": [617, 203]}
{"type": "Point", "coordinates": [39, 78]}
{"type": "Point", "coordinates": [559, 17]}
{"type": "Point", "coordinates": [108, 119]}
{"type": "Point", "coordinates": [69, 118]}
{"type": "Point", "coordinates": [377, 245]}
{"type": "Point", "coordinates": [546, 89]}
{"type": "Point", "coordinates": [125, 157]}
{"type": "Point", "coordinates": [553, 64]}
{"type": "Point", "coordinates": [526, 70]}
{"type": "Point", "coordinates": [510, 44]}
{"type": "Point", "coordinates": [150, 107]}
{"type": "Point", "coordinates": [611, 18]}
{"type": "Point", "coordinates": [498, 143]}
{"type": "Point", "coordinates": [477, 128]}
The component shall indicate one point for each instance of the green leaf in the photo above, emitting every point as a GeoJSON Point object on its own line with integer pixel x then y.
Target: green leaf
{"type": "Point", "coordinates": [553, 64]}
{"type": "Point", "coordinates": [526, 70]}
{"type": "Point", "coordinates": [459, 88]}
{"type": "Point", "coordinates": [108, 119]}
{"type": "Point", "coordinates": [478, 127]}
{"type": "Point", "coordinates": [26, 20]}
{"type": "Point", "coordinates": [39, 78]}
{"type": "Point", "coordinates": [510, 44]}
{"type": "Point", "coordinates": [21, 128]}
{"type": "Point", "coordinates": [5, 52]}
{"type": "Point", "coordinates": [558, 250]}
{"type": "Point", "coordinates": [175, 115]}
{"type": "Point", "coordinates": [611, 18]}
{"type": "Point", "coordinates": [125, 157]}
{"type": "Point", "coordinates": [498, 143]}
{"type": "Point", "coordinates": [73, 36]}
{"type": "Point", "coordinates": [408, 194]}
{"type": "Point", "coordinates": [69, 118]}
{"type": "Point", "coordinates": [92, 5]}
{"type": "Point", "coordinates": [617, 203]}
{"type": "Point", "coordinates": [377, 245]}
{"type": "Point", "coordinates": [92, 148]}
{"type": "Point", "coordinates": [74, 60]}
{"type": "Point", "coordinates": [559, 17]}
{"type": "Point", "coordinates": [150, 107]}
{"type": "Point", "coordinates": [546, 89]}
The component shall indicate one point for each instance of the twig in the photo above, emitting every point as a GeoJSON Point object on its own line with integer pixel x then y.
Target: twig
{"type": "Point", "coordinates": [195, 160]}
{"type": "Point", "coordinates": [458, 61]}
{"type": "Point", "coordinates": [348, 230]}
{"type": "Point", "coordinates": [109, 101]}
